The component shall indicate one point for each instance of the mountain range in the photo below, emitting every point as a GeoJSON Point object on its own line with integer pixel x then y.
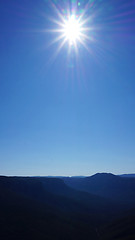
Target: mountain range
{"type": "Point", "coordinates": [101, 206]}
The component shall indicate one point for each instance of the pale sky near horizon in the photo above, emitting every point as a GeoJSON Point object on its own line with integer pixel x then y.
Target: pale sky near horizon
{"type": "Point", "coordinates": [67, 113]}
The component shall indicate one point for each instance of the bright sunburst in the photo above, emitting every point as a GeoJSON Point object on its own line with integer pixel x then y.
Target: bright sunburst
{"type": "Point", "coordinates": [72, 29]}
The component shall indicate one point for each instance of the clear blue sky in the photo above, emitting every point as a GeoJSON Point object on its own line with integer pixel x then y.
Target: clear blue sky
{"type": "Point", "coordinates": [69, 114]}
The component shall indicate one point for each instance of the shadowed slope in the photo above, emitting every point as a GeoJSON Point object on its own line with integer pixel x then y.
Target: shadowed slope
{"type": "Point", "coordinates": [106, 185]}
{"type": "Point", "coordinates": [46, 208]}
{"type": "Point", "coordinates": [24, 215]}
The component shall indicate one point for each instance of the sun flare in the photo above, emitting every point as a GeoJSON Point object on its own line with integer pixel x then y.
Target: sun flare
{"type": "Point", "coordinates": [72, 29]}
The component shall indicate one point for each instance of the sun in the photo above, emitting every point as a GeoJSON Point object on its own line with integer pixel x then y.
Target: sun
{"type": "Point", "coordinates": [72, 29]}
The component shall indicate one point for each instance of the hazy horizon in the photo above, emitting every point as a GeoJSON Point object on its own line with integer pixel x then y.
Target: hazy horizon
{"type": "Point", "coordinates": [78, 176]}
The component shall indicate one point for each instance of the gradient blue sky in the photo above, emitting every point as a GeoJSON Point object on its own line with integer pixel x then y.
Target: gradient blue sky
{"type": "Point", "coordinates": [69, 114]}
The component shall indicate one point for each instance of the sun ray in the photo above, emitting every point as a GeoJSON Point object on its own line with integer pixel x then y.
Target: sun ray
{"type": "Point", "coordinates": [52, 59]}
{"type": "Point", "coordinates": [56, 39]}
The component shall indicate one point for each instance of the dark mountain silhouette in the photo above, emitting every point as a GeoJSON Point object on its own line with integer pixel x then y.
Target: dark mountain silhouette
{"type": "Point", "coordinates": [27, 211]}
{"type": "Point", "coordinates": [55, 193]}
{"type": "Point", "coordinates": [106, 185]}
{"type": "Point", "coordinates": [46, 208]}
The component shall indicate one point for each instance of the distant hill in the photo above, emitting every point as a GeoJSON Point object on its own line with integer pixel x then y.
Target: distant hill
{"type": "Point", "coordinates": [106, 185]}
